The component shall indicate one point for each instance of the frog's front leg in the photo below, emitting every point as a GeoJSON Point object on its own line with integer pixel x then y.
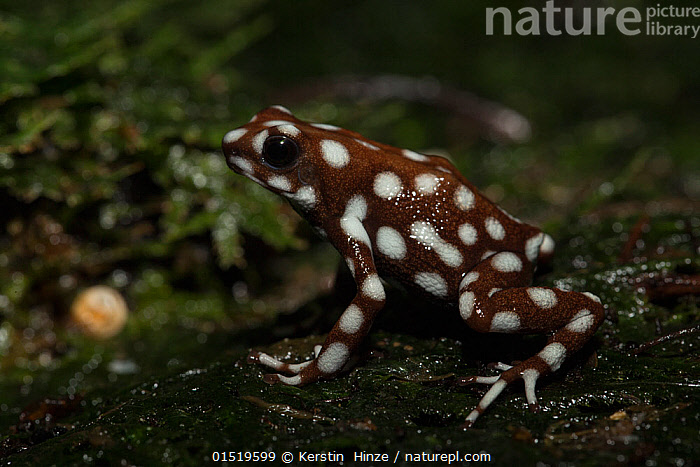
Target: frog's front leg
{"type": "Point", "coordinates": [494, 297]}
{"type": "Point", "coordinates": [351, 239]}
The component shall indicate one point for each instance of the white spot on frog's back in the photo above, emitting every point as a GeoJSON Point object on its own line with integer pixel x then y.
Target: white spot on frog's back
{"type": "Point", "coordinates": [333, 358]}
{"type": "Point", "coordinates": [425, 234]}
{"type": "Point", "coordinates": [494, 228]}
{"type": "Point", "coordinates": [387, 185]}
{"type": "Point", "coordinates": [259, 140]}
{"type": "Point", "coordinates": [464, 198]}
{"type": "Point", "coordinates": [390, 243]}
{"type": "Point", "coordinates": [506, 261]}
{"type": "Point", "coordinates": [543, 298]}
{"type": "Point", "coordinates": [414, 156]}
{"type": "Point", "coordinates": [351, 320]}
{"type": "Point", "coordinates": [467, 233]}
{"type": "Point", "coordinates": [234, 135]}
{"type": "Point", "coordinates": [426, 183]}
{"type": "Point", "coordinates": [335, 153]}
{"type": "Point", "coordinates": [432, 282]}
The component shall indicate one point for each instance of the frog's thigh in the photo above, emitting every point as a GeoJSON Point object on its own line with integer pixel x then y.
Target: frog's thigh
{"type": "Point", "coordinates": [501, 271]}
{"type": "Point", "coordinates": [493, 298]}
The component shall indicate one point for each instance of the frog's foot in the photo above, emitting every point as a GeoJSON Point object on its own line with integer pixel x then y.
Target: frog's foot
{"type": "Point", "coordinates": [498, 383]}
{"type": "Point", "coordinates": [288, 368]}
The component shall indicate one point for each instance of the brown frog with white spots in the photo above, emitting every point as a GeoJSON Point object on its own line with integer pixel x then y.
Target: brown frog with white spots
{"type": "Point", "coordinates": [394, 213]}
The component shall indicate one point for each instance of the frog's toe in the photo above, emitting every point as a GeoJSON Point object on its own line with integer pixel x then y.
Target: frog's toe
{"type": "Point", "coordinates": [253, 357]}
{"type": "Point", "coordinates": [496, 388]}
{"type": "Point", "coordinates": [273, 378]}
{"type": "Point", "coordinates": [466, 380]}
{"type": "Point", "coordinates": [530, 377]}
{"type": "Point", "coordinates": [271, 362]}
{"type": "Point", "coordinates": [499, 366]}
{"type": "Point", "coordinates": [499, 383]}
{"type": "Point", "coordinates": [267, 360]}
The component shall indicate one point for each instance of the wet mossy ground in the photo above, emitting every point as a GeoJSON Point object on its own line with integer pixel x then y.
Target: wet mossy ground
{"type": "Point", "coordinates": [605, 406]}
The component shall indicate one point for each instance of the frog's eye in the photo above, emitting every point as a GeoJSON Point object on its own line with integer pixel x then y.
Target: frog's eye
{"type": "Point", "coordinates": [280, 152]}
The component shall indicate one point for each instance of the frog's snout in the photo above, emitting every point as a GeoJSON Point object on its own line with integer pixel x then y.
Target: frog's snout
{"type": "Point", "coordinates": [231, 156]}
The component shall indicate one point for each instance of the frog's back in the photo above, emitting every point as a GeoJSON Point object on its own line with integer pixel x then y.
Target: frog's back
{"type": "Point", "coordinates": [429, 226]}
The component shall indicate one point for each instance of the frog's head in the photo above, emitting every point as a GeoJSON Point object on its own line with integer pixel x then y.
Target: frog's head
{"type": "Point", "coordinates": [275, 151]}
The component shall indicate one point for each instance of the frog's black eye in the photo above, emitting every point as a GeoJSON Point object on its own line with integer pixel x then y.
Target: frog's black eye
{"type": "Point", "coordinates": [280, 152]}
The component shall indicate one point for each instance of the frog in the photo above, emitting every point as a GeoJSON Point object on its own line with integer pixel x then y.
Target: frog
{"type": "Point", "coordinates": [399, 215]}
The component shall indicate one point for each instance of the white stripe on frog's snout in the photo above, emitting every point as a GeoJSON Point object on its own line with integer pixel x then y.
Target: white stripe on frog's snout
{"type": "Point", "coordinates": [244, 165]}
{"type": "Point", "coordinates": [280, 182]}
{"type": "Point", "coordinates": [234, 135]}
{"type": "Point", "coordinates": [259, 141]}
{"type": "Point", "coordinates": [277, 123]}
{"type": "Point", "coordinates": [325, 126]}
{"type": "Point", "coordinates": [288, 130]}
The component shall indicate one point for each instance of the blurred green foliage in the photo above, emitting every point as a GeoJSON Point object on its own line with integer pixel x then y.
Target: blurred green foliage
{"type": "Point", "coordinates": [111, 116]}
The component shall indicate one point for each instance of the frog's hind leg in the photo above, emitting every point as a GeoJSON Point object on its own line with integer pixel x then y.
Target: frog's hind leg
{"type": "Point", "coordinates": [494, 298]}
